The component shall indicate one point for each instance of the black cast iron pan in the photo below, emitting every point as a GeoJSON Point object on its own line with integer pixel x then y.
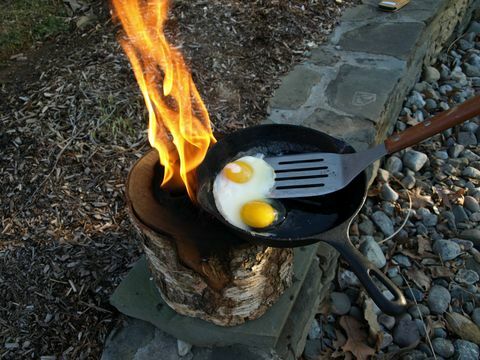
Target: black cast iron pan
{"type": "Point", "coordinates": [323, 218]}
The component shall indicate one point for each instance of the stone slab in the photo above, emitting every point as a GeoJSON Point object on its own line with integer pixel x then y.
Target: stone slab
{"type": "Point", "coordinates": [357, 132]}
{"type": "Point", "coordinates": [137, 339]}
{"type": "Point", "coordinates": [296, 88]}
{"type": "Point", "coordinates": [126, 343]}
{"type": "Point", "coordinates": [138, 297]}
{"type": "Point", "coordinates": [362, 91]}
{"type": "Point", "coordinates": [316, 287]}
{"type": "Point", "coordinates": [394, 39]}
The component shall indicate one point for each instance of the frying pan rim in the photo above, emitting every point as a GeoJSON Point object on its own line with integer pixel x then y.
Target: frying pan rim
{"type": "Point", "coordinates": [259, 238]}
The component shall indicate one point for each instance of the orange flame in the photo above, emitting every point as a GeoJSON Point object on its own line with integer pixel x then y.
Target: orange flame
{"type": "Point", "coordinates": [179, 125]}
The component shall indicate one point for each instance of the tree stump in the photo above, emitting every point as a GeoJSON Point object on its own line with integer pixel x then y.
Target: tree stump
{"type": "Point", "coordinates": [201, 268]}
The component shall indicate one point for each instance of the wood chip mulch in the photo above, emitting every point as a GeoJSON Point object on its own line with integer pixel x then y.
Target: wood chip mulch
{"type": "Point", "coordinates": [72, 123]}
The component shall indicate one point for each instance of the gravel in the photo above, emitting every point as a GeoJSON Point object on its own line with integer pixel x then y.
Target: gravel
{"type": "Point", "coordinates": [446, 249]}
{"type": "Point", "coordinates": [388, 193]}
{"type": "Point", "coordinates": [406, 333]}
{"type": "Point", "coordinates": [438, 299]}
{"type": "Point", "coordinates": [466, 350]}
{"type": "Point", "coordinates": [465, 276]}
{"type": "Point", "coordinates": [383, 222]}
{"type": "Point", "coordinates": [431, 74]}
{"type": "Point", "coordinates": [437, 252]}
{"type": "Point", "coordinates": [373, 252]}
{"type": "Point", "coordinates": [443, 347]}
{"type": "Point", "coordinates": [414, 160]}
{"type": "Point", "coordinates": [476, 316]}
{"type": "Point", "coordinates": [387, 321]}
{"type": "Point", "coordinates": [393, 165]}
{"type": "Point", "coordinates": [340, 303]}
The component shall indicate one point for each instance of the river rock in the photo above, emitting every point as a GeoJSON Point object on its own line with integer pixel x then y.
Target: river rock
{"type": "Point", "coordinates": [373, 252]}
{"type": "Point", "coordinates": [465, 44]}
{"type": "Point", "coordinates": [443, 347]}
{"type": "Point", "coordinates": [315, 330]}
{"type": "Point", "coordinates": [470, 155]}
{"type": "Point", "coordinates": [383, 175]}
{"type": "Point", "coordinates": [416, 100]}
{"type": "Point", "coordinates": [384, 223]}
{"type": "Point", "coordinates": [428, 218]}
{"type": "Point", "coordinates": [340, 303]}
{"type": "Point", "coordinates": [387, 321]}
{"type": "Point", "coordinates": [418, 311]}
{"type": "Point", "coordinates": [446, 249]}
{"type": "Point", "coordinates": [438, 299]}
{"type": "Point", "coordinates": [476, 316]}
{"type": "Point", "coordinates": [466, 350]}
{"type": "Point", "coordinates": [467, 138]}
{"type": "Point", "coordinates": [387, 193]}
{"type": "Point", "coordinates": [408, 181]}
{"type": "Point", "coordinates": [414, 294]}
{"type": "Point", "coordinates": [414, 160]}
{"type": "Point", "coordinates": [183, 348]}
{"type": "Point", "coordinates": [465, 276]}
{"type": "Point", "coordinates": [471, 70]}
{"type": "Point", "coordinates": [402, 260]}
{"type": "Point", "coordinates": [471, 204]}
{"type": "Point", "coordinates": [431, 74]}
{"type": "Point", "coordinates": [393, 165]}
{"type": "Point", "coordinates": [455, 150]}
{"type": "Point", "coordinates": [430, 104]}
{"type": "Point", "coordinates": [471, 172]}
{"type": "Point", "coordinates": [347, 278]}
{"type": "Point", "coordinates": [463, 327]}
{"type": "Point", "coordinates": [459, 213]}
{"type": "Point", "coordinates": [406, 333]}
{"type": "Point", "coordinates": [366, 227]}
{"type": "Point", "coordinates": [471, 234]}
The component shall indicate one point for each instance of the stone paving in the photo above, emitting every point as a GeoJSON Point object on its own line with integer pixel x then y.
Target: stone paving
{"type": "Point", "coordinates": [353, 88]}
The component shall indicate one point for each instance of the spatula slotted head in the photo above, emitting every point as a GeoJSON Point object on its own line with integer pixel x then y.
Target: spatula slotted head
{"type": "Point", "coordinates": [305, 175]}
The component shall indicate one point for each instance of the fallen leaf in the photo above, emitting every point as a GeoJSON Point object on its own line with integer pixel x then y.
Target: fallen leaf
{"type": "Point", "coordinates": [356, 338]}
{"type": "Point", "coordinates": [340, 340]}
{"type": "Point", "coordinates": [419, 200]}
{"type": "Point", "coordinates": [419, 278]}
{"type": "Point", "coordinates": [371, 317]}
{"type": "Point", "coordinates": [440, 271]}
{"type": "Point", "coordinates": [463, 327]}
{"type": "Point", "coordinates": [448, 197]}
{"type": "Point", "coordinates": [423, 245]}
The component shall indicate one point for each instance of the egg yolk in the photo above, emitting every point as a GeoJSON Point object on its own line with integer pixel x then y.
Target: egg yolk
{"type": "Point", "coordinates": [238, 171]}
{"type": "Point", "coordinates": [258, 214]}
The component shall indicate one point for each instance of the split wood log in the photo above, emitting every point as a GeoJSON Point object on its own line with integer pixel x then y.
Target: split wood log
{"type": "Point", "coordinates": [201, 269]}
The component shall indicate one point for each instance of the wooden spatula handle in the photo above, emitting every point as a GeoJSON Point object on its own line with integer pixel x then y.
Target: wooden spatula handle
{"type": "Point", "coordinates": [434, 125]}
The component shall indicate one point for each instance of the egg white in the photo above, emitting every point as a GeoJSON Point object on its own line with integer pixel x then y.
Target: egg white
{"type": "Point", "coordinates": [231, 196]}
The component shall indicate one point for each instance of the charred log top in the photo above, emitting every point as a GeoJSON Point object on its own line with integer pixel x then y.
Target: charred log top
{"type": "Point", "coordinates": [199, 238]}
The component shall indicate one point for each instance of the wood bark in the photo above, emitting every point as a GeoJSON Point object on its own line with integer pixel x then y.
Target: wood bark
{"type": "Point", "coordinates": [225, 284]}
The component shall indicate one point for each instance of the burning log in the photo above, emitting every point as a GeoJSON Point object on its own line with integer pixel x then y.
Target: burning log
{"type": "Point", "coordinates": [201, 269]}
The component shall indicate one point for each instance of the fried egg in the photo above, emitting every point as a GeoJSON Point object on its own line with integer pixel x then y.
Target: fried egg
{"type": "Point", "coordinates": [241, 193]}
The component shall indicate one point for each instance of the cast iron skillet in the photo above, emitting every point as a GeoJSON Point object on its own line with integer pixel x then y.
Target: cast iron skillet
{"type": "Point", "coordinates": [324, 218]}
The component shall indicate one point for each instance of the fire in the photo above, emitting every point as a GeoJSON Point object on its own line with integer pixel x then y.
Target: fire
{"type": "Point", "coordinates": [179, 124]}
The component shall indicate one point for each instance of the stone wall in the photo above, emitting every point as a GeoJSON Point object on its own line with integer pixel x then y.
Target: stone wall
{"type": "Point", "coordinates": [353, 86]}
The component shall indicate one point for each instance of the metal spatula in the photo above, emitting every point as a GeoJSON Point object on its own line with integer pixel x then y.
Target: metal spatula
{"type": "Point", "coordinates": [313, 174]}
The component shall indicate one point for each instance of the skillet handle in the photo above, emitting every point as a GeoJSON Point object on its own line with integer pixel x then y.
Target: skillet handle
{"type": "Point", "coordinates": [435, 125]}
{"type": "Point", "coordinates": [365, 272]}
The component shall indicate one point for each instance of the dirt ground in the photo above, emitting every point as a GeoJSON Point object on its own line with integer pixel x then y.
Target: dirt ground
{"type": "Point", "coordinates": [72, 123]}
